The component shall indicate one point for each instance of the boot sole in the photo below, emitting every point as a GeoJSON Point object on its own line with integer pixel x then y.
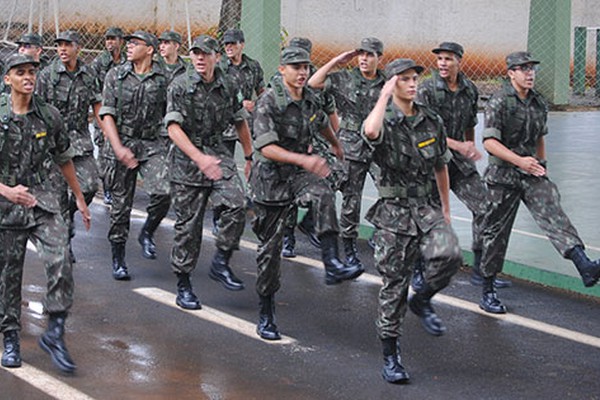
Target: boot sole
{"type": "Point", "coordinates": [271, 338]}
{"type": "Point", "coordinates": [397, 381]}
{"type": "Point", "coordinates": [489, 310]}
{"type": "Point", "coordinates": [11, 365]}
{"type": "Point", "coordinates": [330, 280]}
{"type": "Point", "coordinates": [47, 349]}
{"type": "Point", "coordinates": [182, 305]}
{"type": "Point", "coordinates": [216, 278]}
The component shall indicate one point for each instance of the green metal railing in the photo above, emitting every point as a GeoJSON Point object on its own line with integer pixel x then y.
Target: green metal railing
{"type": "Point", "coordinates": [580, 59]}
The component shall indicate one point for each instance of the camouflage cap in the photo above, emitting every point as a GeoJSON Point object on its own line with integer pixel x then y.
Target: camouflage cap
{"type": "Point", "coordinates": [519, 58]}
{"type": "Point", "coordinates": [401, 65]}
{"type": "Point", "coordinates": [372, 45]}
{"type": "Point", "coordinates": [294, 55]}
{"type": "Point", "coordinates": [451, 47]}
{"type": "Point", "coordinates": [30, 38]}
{"type": "Point", "coordinates": [301, 42]}
{"type": "Point", "coordinates": [148, 38]}
{"type": "Point", "coordinates": [114, 31]}
{"type": "Point", "coordinates": [233, 36]}
{"type": "Point", "coordinates": [68, 36]}
{"type": "Point", "coordinates": [171, 36]}
{"type": "Point", "coordinates": [206, 44]}
{"type": "Point", "coordinates": [17, 59]}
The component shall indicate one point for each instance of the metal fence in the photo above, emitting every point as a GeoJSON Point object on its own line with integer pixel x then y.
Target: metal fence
{"type": "Point", "coordinates": [484, 64]}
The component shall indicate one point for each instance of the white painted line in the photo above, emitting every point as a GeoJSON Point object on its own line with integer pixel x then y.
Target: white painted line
{"type": "Point", "coordinates": [212, 315]}
{"type": "Point", "coordinates": [46, 383]}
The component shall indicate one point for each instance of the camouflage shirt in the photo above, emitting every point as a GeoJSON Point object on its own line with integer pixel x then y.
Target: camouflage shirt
{"type": "Point", "coordinates": [289, 124]}
{"type": "Point", "coordinates": [458, 111]}
{"type": "Point", "coordinates": [30, 146]}
{"type": "Point", "coordinates": [174, 70]}
{"type": "Point", "coordinates": [516, 123]}
{"type": "Point", "coordinates": [203, 110]}
{"type": "Point", "coordinates": [103, 63]}
{"type": "Point", "coordinates": [407, 152]}
{"type": "Point", "coordinates": [138, 105]}
{"type": "Point", "coordinates": [249, 75]}
{"type": "Point", "coordinates": [72, 93]}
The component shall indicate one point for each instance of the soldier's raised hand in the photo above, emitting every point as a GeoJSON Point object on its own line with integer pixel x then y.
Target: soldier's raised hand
{"type": "Point", "coordinates": [346, 57]}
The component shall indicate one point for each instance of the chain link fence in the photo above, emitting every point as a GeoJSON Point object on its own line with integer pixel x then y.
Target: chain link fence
{"type": "Point", "coordinates": [487, 29]}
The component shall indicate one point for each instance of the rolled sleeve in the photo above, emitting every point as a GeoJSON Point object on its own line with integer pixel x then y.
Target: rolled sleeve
{"type": "Point", "coordinates": [64, 157]}
{"type": "Point", "coordinates": [241, 115]}
{"type": "Point", "coordinates": [372, 143]}
{"type": "Point", "coordinates": [266, 139]}
{"type": "Point", "coordinates": [106, 110]}
{"type": "Point", "coordinates": [173, 117]}
{"type": "Point", "coordinates": [491, 133]}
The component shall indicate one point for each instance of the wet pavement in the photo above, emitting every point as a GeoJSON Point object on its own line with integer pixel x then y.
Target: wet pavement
{"type": "Point", "coordinates": [131, 342]}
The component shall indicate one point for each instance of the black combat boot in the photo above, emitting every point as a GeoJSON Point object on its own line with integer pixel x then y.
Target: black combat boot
{"type": "Point", "coordinates": [417, 280]}
{"type": "Point", "coordinates": [220, 271]}
{"type": "Point", "coordinates": [589, 270]}
{"type": "Point", "coordinates": [307, 226]}
{"type": "Point", "coordinates": [351, 253]}
{"type": "Point", "coordinates": [477, 278]}
{"type": "Point", "coordinates": [420, 304]}
{"type": "Point", "coordinates": [11, 357]}
{"type": "Point", "coordinates": [52, 342]}
{"type": "Point", "coordinates": [185, 295]}
{"type": "Point", "coordinates": [289, 243]}
{"type": "Point", "coordinates": [393, 371]}
{"type": "Point", "coordinates": [335, 270]}
{"type": "Point", "coordinates": [118, 262]}
{"type": "Point", "coordinates": [489, 301]}
{"type": "Point", "coordinates": [146, 238]}
{"type": "Point", "coordinates": [266, 327]}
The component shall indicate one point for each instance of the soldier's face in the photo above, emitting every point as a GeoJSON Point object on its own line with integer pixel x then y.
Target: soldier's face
{"type": "Point", "coordinates": [294, 75]}
{"type": "Point", "coordinates": [204, 63]}
{"type": "Point", "coordinates": [137, 50]}
{"type": "Point", "coordinates": [234, 50]}
{"type": "Point", "coordinates": [67, 51]}
{"type": "Point", "coordinates": [448, 64]}
{"type": "Point", "coordinates": [406, 85]}
{"type": "Point", "coordinates": [367, 62]}
{"type": "Point", "coordinates": [21, 79]}
{"type": "Point", "coordinates": [31, 50]}
{"type": "Point", "coordinates": [523, 76]}
{"type": "Point", "coordinates": [112, 43]}
{"type": "Point", "coordinates": [168, 48]}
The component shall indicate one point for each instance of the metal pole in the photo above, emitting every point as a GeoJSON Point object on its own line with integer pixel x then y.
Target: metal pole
{"type": "Point", "coordinates": [10, 17]}
{"type": "Point", "coordinates": [187, 22]}
{"type": "Point", "coordinates": [579, 56]}
{"type": "Point", "coordinates": [41, 17]}
{"type": "Point", "coordinates": [597, 62]}
{"type": "Point", "coordinates": [30, 21]}
{"type": "Point", "coordinates": [56, 27]}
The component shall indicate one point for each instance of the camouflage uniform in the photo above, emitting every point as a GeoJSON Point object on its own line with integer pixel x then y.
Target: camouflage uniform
{"type": "Point", "coordinates": [518, 124]}
{"type": "Point", "coordinates": [204, 110]}
{"type": "Point", "coordinates": [73, 93]}
{"type": "Point", "coordinates": [27, 162]}
{"type": "Point", "coordinates": [459, 112]}
{"type": "Point", "coordinates": [409, 223]}
{"type": "Point", "coordinates": [138, 106]}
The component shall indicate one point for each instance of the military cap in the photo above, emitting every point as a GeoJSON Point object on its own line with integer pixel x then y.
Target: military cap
{"type": "Point", "coordinates": [400, 65]}
{"type": "Point", "coordinates": [372, 45]}
{"type": "Point", "coordinates": [206, 44]}
{"type": "Point", "coordinates": [233, 36]}
{"type": "Point", "coordinates": [451, 47]}
{"type": "Point", "coordinates": [171, 36]}
{"type": "Point", "coordinates": [68, 36]}
{"type": "Point", "coordinates": [148, 38]}
{"type": "Point", "coordinates": [114, 31]}
{"type": "Point", "coordinates": [301, 42]}
{"type": "Point", "coordinates": [30, 38]}
{"type": "Point", "coordinates": [17, 59]}
{"type": "Point", "coordinates": [519, 58]}
{"type": "Point", "coordinates": [294, 55]}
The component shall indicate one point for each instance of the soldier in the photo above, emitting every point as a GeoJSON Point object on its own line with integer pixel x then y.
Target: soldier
{"type": "Point", "coordinates": [355, 93]}
{"type": "Point", "coordinates": [32, 141]}
{"type": "Point", "coordinates": [113, 54]}
{"type": "Point", "coordinates": [31, 44]}
{"type": "Point", "coordinates": [134, 101]}
{"type": "Point", "coordinates": [513, 135]}
{"type": "Point", "coordinates": [284, 175]}
{"type": "Point", "coordinates": [200, 105]}
{"type": "Point", "coordinates": [454, 97]}
{"type": "Point", "coordinates": [71, 86]}
{"type": "Point", "coordinates": [409, 146]}
{"type": "Point", "coordinates": [169, 43]}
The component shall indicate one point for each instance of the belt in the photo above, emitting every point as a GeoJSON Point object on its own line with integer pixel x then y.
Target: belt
{"type": "Point", "coordinates": [403, 192]}
{"type": "Point", "coordinates": [350, 125]}
{"type": "Point", "coordinates": [32, 179]}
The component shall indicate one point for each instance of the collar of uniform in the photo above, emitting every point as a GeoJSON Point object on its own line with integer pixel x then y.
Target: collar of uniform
{"type": "Point", "coordinates": [60, 66]}
{"type": "Point", "coordinates": [379, 77]}
{"type": "Point", "coordinates": [441, 83]}
{"type": "Point", "coordinates": [218, 81]}
{"type": "Point", "coordinates": [399, 115]}
{"type": "Point", "coordinates": [511, 91]}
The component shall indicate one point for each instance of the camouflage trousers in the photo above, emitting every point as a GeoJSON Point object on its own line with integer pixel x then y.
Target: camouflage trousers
{"type": "Point", "coordinates": [268, 224]}
{"type": "Point", "coordinates": [49, 236]}
{"type": "Point", "coordinates": [541, 197]}
{"type": "Point", "coordinates": [153, 171]}
{"type": "Point", "coordinates": [106, 159]}
{"type": "Point", "coordinates": [395, 254]}
{"type": "Point", "coordinates": [189, 204]}
{"type": "Point", "coordinates": [352, 188]}
{"type": "Point", "coordinates": [471, 191]}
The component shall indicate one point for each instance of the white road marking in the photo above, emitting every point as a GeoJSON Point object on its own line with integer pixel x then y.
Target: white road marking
{"type": "Point", "coordinates": [211, 315]}
{"type": "Point", "coordinates": [46, 383]}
